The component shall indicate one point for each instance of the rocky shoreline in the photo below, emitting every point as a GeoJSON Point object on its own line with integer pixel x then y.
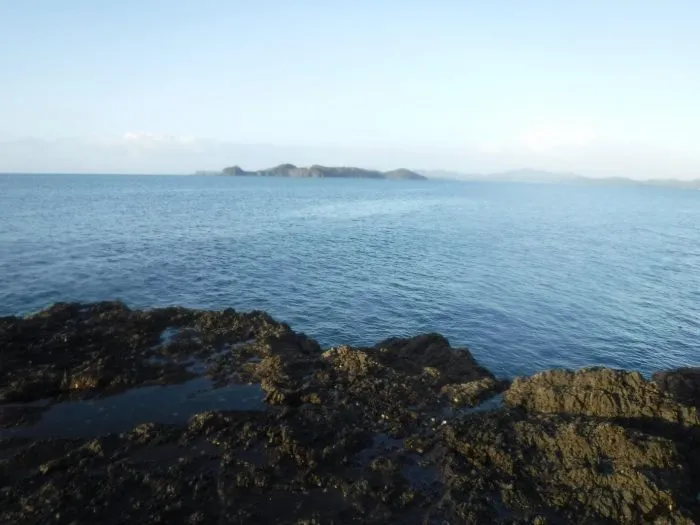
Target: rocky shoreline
{"type": "Point", "coordinates": [112, 415]}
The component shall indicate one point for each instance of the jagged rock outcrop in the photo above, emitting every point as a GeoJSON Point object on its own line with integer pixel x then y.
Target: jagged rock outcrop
{"type": "Point", "coordinates": [538, 468]}
{"type": "Point", "coordinates": [683, 384]}
{"type": "Point", "coordinates": [408, 431]}
{"type": "Point", "coordinates": [599, 392]}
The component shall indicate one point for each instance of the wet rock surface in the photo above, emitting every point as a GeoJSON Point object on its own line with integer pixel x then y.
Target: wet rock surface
{"type": "Point", "coordinates": [110, 415]}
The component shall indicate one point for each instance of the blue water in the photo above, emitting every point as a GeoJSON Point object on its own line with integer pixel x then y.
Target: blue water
{"type": "Point", "coordinates": [526, 276]}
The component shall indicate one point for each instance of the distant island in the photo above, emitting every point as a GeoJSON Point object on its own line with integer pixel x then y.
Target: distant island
{"type": "Point", "coordinates": [520, 175]}
{"type": "Point", "coordinates": [319, 172]}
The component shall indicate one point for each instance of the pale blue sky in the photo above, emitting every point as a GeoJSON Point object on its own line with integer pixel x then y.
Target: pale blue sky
{"type": "Point", "coordinates": [600, 87]}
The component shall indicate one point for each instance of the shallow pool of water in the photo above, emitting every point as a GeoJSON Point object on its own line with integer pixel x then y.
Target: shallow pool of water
{"type": "Point", "coordinates": [173, 404]}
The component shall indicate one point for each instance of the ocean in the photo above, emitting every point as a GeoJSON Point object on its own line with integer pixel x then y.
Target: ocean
{"type": "Point", "coordinates": [527, 276]}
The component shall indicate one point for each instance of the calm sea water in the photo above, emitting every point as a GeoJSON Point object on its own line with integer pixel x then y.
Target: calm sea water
{"type": "Point", "coordinates": [526, 276]}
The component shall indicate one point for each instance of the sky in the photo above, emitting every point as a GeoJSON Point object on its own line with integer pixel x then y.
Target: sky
{"type": "Point", "coordinates": [599, 88]}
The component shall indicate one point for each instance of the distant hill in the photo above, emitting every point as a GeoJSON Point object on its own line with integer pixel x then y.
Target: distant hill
{"type": "Point", "coordinates": [671, 183]}
{"type": "Point", "coordinates": [540, 176]}
{"type": "Point", "coordinates": [322, 172]}
{"type": "Point", "coordinates": [521, 175]}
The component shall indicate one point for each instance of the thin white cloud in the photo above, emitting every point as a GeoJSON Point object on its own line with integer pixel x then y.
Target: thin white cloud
{"type": "Point", "coordinates": [149, 137]}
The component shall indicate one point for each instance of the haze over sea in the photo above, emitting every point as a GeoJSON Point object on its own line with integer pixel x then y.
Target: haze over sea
{"type": "Point", "coordinates": [527, 276]}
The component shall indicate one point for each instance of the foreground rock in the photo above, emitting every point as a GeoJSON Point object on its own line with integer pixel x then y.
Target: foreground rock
{"type": "Point", "coordinates": [600, 393]}
{"type": "Point", "coordinates": [408, 431]}
{"type": "Point", "coordinates": [683, 384]}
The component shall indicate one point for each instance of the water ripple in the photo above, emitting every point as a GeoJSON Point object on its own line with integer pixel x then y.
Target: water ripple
{"type": "Point", "coordinates": [526, 276]}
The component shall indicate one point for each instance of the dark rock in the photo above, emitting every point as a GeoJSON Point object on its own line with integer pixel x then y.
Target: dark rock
{"type": "Point", "coordinates": [431, 351]}
{"type": "Point", "coordinates": [681, 383]}
{"type": "Point", "coordinates": [407, 431]}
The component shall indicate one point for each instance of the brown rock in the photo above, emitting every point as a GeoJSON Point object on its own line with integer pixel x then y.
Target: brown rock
{"type": "Point", "coordinates": [598, 392]}
{"type": "Point", "coordinates": [474, 392]}
{"type": "Point", "coordinates": [352, 435]}
{"type": "Point", "coordinates": [574, 470]}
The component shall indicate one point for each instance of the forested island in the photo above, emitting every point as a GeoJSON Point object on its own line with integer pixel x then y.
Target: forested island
{"type": "Point", "coordinates": [319, 172]}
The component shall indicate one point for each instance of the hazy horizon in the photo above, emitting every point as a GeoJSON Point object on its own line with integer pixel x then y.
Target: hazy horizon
{"type": "Point", "coordinates": [175, 87]}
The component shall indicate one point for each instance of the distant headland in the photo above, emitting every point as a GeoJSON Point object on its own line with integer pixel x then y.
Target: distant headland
{"type": "Point", "coordinates": [552, 177]}
{"type": "Point", "coordinates": [319, 172]}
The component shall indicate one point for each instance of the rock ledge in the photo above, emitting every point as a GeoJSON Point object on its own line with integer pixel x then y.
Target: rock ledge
{"type": "Point", "coordinates": [112, 415]}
